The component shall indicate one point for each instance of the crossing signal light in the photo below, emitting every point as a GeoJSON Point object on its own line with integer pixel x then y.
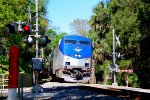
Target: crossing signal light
{"type": "Point", "coordinates": [108, 56]}
{"type": "Point", "coordinates": [28, 40]}
{"type": "Point", "coordinates": [45, 41]}
{"type": "Point", "coordinates": [11, 27]}
{"type": "Point", "coordinates": [26, 28]}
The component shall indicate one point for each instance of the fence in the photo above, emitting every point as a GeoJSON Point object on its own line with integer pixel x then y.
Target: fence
{"type": "Point", "coordinates": [3, 82]}
{"type": "Point", "coordinates": [24, 80]}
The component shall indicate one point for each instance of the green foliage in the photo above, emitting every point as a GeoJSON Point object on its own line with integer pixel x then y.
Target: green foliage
{"type": "Point", "coordinates": [133, 80]}
{"type": "Point", "coordinates": [1, 71]}
{"type": "Point", "coordinates": [100, 20]}
{"type": "Point", "coordinates": [3, 64]}
{"type": "Point", "coordinates": [103, 71]}
{"type": "Point", "coordinates": [131, 21]}
{"type": "Point", "coordinates": [54, 37]}
{"type": "Point", "coordinates": [11, 11]}
{"type": "Point", "coordinates": [125, 64]}
{"type": "Point", "coordinates": [104, 67]}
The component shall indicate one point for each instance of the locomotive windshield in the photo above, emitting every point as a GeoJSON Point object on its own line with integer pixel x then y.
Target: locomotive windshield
{"type": "Point", "coordinates": [70, 41]}
{"type": "Point", "coordinates": [77, 42]}
{"type": "Point", "coordinates": [84, 42]}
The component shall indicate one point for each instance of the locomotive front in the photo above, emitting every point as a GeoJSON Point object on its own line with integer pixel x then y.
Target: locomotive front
{"type": "Point", "coordinates": [77, 58]}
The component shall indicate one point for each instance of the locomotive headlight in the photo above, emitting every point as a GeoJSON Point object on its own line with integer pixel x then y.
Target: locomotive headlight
{"type": "Point", "coordinates": [68, 59]}
{"type": "Point", "coordinates": [75, 55]}
{"type": "Point", "coordinates": [79, 55]}
{"type": "Point", "coordinates": [87, 61]}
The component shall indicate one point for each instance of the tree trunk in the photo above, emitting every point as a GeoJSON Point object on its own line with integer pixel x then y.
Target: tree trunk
{"type": "Point", "coordinates": [105, 79]}
{"type": "Point", "coordinates": [126, 79]}
{"type": "Point", "coordinates": [93, 78]}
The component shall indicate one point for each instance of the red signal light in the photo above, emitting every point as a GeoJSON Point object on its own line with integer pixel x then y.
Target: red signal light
{"type": "Point", "coordinates": [26, 28]}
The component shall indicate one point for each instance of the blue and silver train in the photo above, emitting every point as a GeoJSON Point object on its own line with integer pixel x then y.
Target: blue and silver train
{"type": "Point", "coordinates": [72, 59]}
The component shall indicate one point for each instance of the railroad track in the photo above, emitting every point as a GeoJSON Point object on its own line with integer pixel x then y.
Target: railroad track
{"type": "Point", "coordinates": [77, 91]}
{"type": "Point", "coordinates": [63, 91]}
{"type": "Point", "coordinates": [128, 93]}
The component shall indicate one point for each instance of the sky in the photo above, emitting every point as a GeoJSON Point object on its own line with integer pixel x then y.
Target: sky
{"type": "Point", "coordinates": [61, 13]}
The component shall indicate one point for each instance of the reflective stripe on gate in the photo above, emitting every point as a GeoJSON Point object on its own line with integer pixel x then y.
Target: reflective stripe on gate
{"type": "Point", "coordinates": [126, 70]}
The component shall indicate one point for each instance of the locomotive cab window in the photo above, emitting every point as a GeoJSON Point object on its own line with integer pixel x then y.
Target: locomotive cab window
{"type": "Point", "coordinates": [70, 41]}
{"type": "Point", "coordinates": [84, 42]}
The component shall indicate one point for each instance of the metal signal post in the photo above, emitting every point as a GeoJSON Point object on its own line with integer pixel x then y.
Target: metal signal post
{"type": "Point", "coordinates": [36, 88]}
{"type": "Point", "coordinates": [37, 30]}
{"type": "Point", "coordinates": [114, 60]}
{"type": "Point", "coordinates": [38, 63]}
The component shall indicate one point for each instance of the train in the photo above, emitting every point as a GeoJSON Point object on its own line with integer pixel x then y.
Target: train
{"type": "Point", "coordinates": [71, 60]}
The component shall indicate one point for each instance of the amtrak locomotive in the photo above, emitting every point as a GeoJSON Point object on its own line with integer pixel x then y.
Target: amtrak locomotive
{"type": "Point", "coordinates": [72, 59]}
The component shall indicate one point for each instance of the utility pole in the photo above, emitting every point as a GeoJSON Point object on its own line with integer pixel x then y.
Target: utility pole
{"type": "Point", "coordinates": [114, 60]}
